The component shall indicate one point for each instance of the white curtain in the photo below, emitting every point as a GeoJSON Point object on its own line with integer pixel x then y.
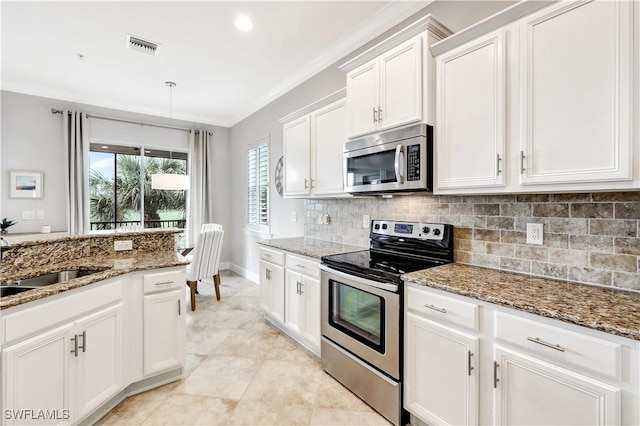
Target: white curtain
{"type": "Point", "coordinates": [76, 137]}
{"type": "Point", "coordinates": [200, 194]}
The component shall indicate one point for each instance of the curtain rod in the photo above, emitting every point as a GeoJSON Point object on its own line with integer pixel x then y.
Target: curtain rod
{"type": "Point", "coordinates": [119, 120]}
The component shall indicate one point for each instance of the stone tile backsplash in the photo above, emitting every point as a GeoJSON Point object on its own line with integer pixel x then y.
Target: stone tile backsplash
{"type": "Point", "coordinates": [590, 238]}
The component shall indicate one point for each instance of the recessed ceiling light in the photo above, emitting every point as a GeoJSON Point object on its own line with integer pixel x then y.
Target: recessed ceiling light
{"type": "Point", "coordinates": [243, 23]}
{"type": "Point", "coordinates": [104, 147]}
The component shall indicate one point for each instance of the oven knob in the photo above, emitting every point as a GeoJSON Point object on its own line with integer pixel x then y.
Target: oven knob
{"type": "Point", "coordinates": [376, 226]}
{"type": "Point", "coordinates": [436, 232]}
{"type": "Point", "coordinates": [384, 226]}
{"type": "Point", "coordinates": [425, 230]}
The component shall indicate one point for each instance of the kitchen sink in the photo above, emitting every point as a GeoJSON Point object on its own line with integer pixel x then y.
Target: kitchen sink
{"type": "Point", "coordinates": [10, 288]}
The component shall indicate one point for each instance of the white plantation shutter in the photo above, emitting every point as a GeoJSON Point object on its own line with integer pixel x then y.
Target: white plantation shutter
{"type": "Point", "coordinates": [258, 187]}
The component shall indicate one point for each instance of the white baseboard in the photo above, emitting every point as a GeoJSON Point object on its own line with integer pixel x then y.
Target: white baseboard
{"type": "Point", "coordinates": [245, 273]}
{"type": "Point", "coordinates": [224, 265]}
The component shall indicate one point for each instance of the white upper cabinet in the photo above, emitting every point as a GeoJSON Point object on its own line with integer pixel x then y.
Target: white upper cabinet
{"type": "Point", "coordinates": [576, 98]}
{"type": "Point", "coordinates": [314, 138]}
{"type": "Point", "coordinates": [470, 114]}
{"type": "Point", "coordinates": [297, 156]}
{"type": "Point", "coordinates": [386, 85]}
{"type": "Point", "coordinates": [541, 98]}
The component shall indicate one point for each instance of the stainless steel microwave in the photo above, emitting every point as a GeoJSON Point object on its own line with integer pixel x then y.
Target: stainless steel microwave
{"type": "Point", "coordinates": [394, 161]}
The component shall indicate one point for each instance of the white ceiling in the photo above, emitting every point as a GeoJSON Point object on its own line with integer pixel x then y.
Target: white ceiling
{"type": "Point", "coordinates": [222, 75]}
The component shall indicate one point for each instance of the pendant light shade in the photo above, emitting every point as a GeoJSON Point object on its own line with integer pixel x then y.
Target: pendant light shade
{"type": "Point", "coordinates": [170, 181]}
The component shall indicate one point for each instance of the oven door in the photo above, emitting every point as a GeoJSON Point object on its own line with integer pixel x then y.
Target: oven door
{"type": "Point", "coordinates": [394, 166]}
{"type": "Point", "coordinates": [363, 317]}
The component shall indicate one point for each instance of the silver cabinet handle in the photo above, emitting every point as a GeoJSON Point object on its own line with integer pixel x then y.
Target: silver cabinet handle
{"type": "Point", "coordinates": [164, 282]}
{"type": "Point", "coordinates": [84, 341]}
{"type": "Point", "coordinates": [301, 286]}
{"type": "Point", "coordinates": [298, 285]}
{"type": "Point", "coordinates": [396, 163]}
{"type": "Point", "coordinates": [179, 308]}
{"type": "Point", "coordinates": [375, 119]}
{"type": "Point", "coordinates": [495, 374]}
{"type": "Point", "coordinates": [311, 184]}
{"type": "Point", "coordinates": [435, 308]}
{"type": "Point", "coordinates": [306, 183]}
{"type": "Point", "coordinates": [498, 170]}
{"type": "Point", "coordinates": [379, 114]}
{"type": "Point", "coordinates": [299, 265]}
{"type": "Point", "coordinates": [469, 367]}
{"type": "Point", "coordinates": [547, 344]}
{"type": "Point", "coordinates": [522, 162]}
{"type": "Point", "coordinates": [267, 274]}
{"type": "Point", "coordinates": [74, 339]}
{"type": "Point", "coordinates": [267, 255]}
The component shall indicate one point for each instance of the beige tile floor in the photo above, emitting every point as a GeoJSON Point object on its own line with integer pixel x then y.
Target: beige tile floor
{"type": "Point", "coordinates": [241, 371]}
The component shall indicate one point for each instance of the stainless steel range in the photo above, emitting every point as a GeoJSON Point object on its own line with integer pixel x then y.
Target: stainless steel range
{"type": "Point", "coordinates": [362, 308]}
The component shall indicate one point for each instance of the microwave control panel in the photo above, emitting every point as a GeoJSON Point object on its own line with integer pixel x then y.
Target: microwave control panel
{"type": "Point", "coordinates": [413, 162]}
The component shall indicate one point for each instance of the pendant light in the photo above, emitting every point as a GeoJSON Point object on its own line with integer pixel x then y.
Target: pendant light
{"type": "Point", "coordinates": [170, 181]}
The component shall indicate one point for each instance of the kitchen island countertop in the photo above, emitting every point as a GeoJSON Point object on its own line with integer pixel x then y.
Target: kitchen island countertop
{"type": "Point", "coordinates": [311, 247]}
{"type": "Point", "coordinates": [613, 311]}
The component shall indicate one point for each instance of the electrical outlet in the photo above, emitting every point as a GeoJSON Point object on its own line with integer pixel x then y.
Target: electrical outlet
{"type": "Point", "coordinates": [40, 214]}
{"type": "Point", "coordinates": [535, 233]}
{"type": "Point", "coordinates": [366, 221]}
{"type": "Point", "coordinates": [28, 215]}
{"type": "Point", "coordinates": [120, 245]}
{"type": "Point", "coordinates": [294, 217]}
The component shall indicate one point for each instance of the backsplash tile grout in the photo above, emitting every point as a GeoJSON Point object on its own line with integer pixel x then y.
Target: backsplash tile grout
{"type": "Point", "coordinates": [591, 238]}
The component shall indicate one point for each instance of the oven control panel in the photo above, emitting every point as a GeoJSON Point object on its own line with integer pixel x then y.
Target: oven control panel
{"type": "Point", "coordinates": [423, 231]}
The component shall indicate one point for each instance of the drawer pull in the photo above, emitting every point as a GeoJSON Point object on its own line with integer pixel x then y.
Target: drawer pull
{"type": "Point", "coordinates": [84, 341]}
{"type": "Point", "coordinates": [267, 255]}
{"type": "Point", "coordinates": [547, 344]}
{"type": "Point", "coordinates": [495, 374]}
{"type": "Point", "coordinates": [74, 339]}
{"type": "Point", "coordinates": [164, 282]}
{"type": "Point", "coordinates": [435, 308]}
{"type": "Point", "coordinates": [299, 265]}
{"type": "Point", "coordinates": [469, 367]}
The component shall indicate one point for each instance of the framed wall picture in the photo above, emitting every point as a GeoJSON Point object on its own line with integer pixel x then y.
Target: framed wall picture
{"type": "Point", "coordinates": [25, 184]}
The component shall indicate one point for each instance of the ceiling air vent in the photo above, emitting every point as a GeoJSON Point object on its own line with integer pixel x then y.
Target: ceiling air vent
{"type": "Point", "coordinates": [144, 46]}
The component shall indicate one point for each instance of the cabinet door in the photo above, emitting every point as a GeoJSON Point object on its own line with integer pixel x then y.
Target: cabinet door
{"type": "Point", "coordinates": [99, 373]}
{"type": "Point", "coordinates": [293, 310]}
{"type": "Point", "coordinates": [310, 292]}
{"type": "Point", "coordinates": [164, 334]}
{"type": "Point", "coordinates": [401, 85]}
{"type": "Point", "coordinates": [272, 290]}
{"type": "Point", "coordinates": [328, 135]}
{"type": "Point", "coordinates": [529, 391]}
{"type": "Point", "coordinates": [297, 158]}
{"type": "Point", "coordinates": [441, 385]}
{"type": "Point", "coordinates": [36, 374]}
{"type": "Point", "coordinates": [363, 85]}
{"type": "Point", "coordinates": [576, 88]}
{"type": "Point", "coordinates": [470, 120]}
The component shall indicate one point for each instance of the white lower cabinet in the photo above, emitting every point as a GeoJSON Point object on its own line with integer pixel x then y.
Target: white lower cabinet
{"type": "Point", "coordinates": [65, 359]}
{"type": "Point", "coordinates": [441, 385]}
{"type": "Point", "coordinates": [507, 367]}
{"type": "Point", "coordinates": [531, 391]}
{"type": "Point", "coordinates": [69, 371]}
{"type": "Point", "coordinates": [290, 295]}
{"type": "Point", "coordinates": [163, 331]}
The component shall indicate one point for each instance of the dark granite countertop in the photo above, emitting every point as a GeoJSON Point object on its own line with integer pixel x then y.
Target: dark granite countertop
{"type": "Point", "coordinates": [613, 311]}
{"type": "Point", "coordinates": [311, 247]}
{"type": "Point", "coordinates": [113, 267]}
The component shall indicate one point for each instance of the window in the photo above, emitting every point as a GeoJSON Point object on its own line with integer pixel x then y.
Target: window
{"type": "Point", "coordinates": [120, 191]}
{"type": "Point", "coordinates": [258, 186]}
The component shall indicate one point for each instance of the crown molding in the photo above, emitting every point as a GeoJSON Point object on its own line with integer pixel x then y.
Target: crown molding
{"type": "Point", "coordinates": [335, 96]}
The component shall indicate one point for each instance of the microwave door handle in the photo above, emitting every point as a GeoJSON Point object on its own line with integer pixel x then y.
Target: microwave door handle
{"type": "Point", "coordinates": [397, 163]}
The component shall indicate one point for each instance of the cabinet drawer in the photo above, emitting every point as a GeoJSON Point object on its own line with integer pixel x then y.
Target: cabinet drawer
{"type": "Point", "coordinates": [272, 256]}
{"type": "Point", "coordinates": [557, 343]}
{"type": "Point", "coordinates": [442, 308]}
{"type": "Point", "coordinates": [163, 281]}
{"type": "Point", "coordinates": [304, 266]}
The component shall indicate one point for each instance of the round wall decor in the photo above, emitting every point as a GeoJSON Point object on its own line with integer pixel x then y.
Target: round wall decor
{"type": "Point", "coordinates": [277, 175]}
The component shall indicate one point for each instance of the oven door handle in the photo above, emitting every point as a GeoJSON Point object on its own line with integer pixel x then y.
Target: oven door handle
{"type": "Point", "coordinates": [382, 286]}
{"type": "Point", "coordinates": [397, 163]}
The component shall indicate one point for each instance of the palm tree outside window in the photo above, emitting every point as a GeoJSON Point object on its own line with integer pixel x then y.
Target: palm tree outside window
{"type": "Point", "coordinates": [120, 188]}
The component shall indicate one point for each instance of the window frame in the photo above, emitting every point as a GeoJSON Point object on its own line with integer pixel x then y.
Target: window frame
{"type": "Point", "coordinates": [258, 227]}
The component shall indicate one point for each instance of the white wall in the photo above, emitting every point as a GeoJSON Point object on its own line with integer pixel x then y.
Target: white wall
{"type": "Point", "coordinates": [455, 15]}
{"type": "Point", "coordinates": [32, 139]}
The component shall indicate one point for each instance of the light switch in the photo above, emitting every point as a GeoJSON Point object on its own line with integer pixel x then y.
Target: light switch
{"type": "Point", "coordinates": [28, 215]}
{"type": "Point", "coordinates": [40, 214]}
